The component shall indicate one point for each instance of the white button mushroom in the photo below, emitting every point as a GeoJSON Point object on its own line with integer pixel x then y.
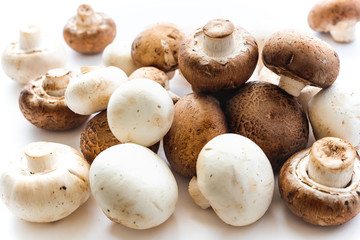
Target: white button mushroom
{"type": "Point", "coordinates": [133, 186]}
{"type": "Point", "coordinates": [140, 111]}
{"type": "Point", "coordinates": [236, 177]}
{"type": "Point", "coordinates": [47, 183]}
{"type": "Point", "coordinates": [90, 92]}
{"type": "Point", "coordinates": [334, 112]}
{"type": "Point", "coordinates": [32, 56]}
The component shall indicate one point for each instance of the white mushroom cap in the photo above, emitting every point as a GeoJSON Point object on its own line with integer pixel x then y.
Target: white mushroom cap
{"type": "Point", "coordinates": [140, 111]}
{"type": "Point", "coordinates": [236, 177]}
{"type": "Point", "coordinates": [334, 112]}
{"type": "Point", "coordinates": [33, 55]}
{"type": "Point", "coordinates": [90, 93]}
{"type": "Point", "coordinates": [47, 183]}
{"type": "Point", "coordinates": [133, 186]}
{"type": "Point", "coordinates": [118, 54]}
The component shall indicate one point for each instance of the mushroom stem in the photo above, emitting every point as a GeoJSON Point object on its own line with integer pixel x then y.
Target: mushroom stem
{"type": "Point", "coordinates": [343, 32]}
{"type": "Point", "coordinates": [218, 38]}
{"type": "Point", "coordinates": [86, 16]}
{"type": "Point", "coordinates": [196, 194]}
{"type": "Point", "coordinates": [40, 157]}
{"type": "Point", "coordinates": [331, 162]}
{"type": "Point", "coordinates": [291, 86]}
{"type": "Point", "coordinates": [30, 38]}
{"type": "Point", "coordinates": [56, 81]}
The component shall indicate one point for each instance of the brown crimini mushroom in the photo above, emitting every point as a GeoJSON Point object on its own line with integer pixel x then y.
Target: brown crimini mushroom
{"type": "Point", "coordinates": [300, 59]}
{"type": "Point", "coordinates": [338, 17]}
{"type": "Point", "coordinates": [218, 56]}
{"type": "Point", "coordinates": [158, 46]}
{"type": "Point", "coordinates": [321, 184]}
{"type": "Point", "coordinates": [152, 73]}
{"type": "Point", "coordinates": [97, 136]}
{"type": "Point", "coordinates": [198, 118]}
{"type": "Point", "coordinates": [42, 102]}
{"type": "Point", "coordinates": [270, 117]}
{"type": "Point", "coordinates": [89, 32]}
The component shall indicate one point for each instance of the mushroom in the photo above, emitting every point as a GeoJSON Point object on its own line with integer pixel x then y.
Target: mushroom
{"type": "Point", "coordinates": [42, 102]}
{"type": "Point", "coordinates": [33, 55]}
{"type": "Point", "coordinates": [338, 17]}
{"type": "Point", "coordinates": [300, 59]}
{"type": "Point", "coordinates": [334, 112]}
{"type": "Point", "coordinates": [90, 92]}
{"type": "Point", "coordinates": [198, 118]}
{"type": "Point", "coordinates": [140, 111]}
{"type": "Point", "coordinates": [271, 118]}
{"type": "Point", "coordinates": [266, 75]}
{"type": "Point", "coordinates": [158, 46]}
{"type": "Point", "coordinates": [46, 183]}
{"type": "Point", "coordinates": [152, 73]}
{"type": "Point", "coordinates": [321, 184]}
{"type": "Point", "coordinates": [235, 177]}
{"type": "Point", "coordinates": [96, 137]}
{"type": "Point", "coordinates": [306, 94]}
{"type": "Point", "coordinates": [89, 32]}
{"type": "Point", "coordinates": [218, 56]}
{"type": "Point", "coordinates": [133, 186]}
{"type": "Point", "coordinates": [118, 54]}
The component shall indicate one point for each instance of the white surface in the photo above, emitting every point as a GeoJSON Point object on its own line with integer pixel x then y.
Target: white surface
{"type": "Point", "coordinates": [189, 221]}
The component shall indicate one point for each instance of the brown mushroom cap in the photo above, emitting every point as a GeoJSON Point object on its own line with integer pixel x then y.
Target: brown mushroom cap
{"type": "Point", "coordinates": [46, 111]}
{"type": "Point", "coordinates": [152, 73]}
{"type": "Point", "coordinates": [158, 46]}
{"type": "Point", "coordinates": [198, 118]}
{"type": "Point", "coordinates": [327, 13]}
{"type": "Point", "coordinates": [213, 74]}
{"type": "Point", "coordinates": [302, 57]}
{"type": "Point", "coordinates": [317, 206]}
{"type": "Point", "coordinates": [97, 136]}
{"type": "Point", "coordinates": [90, 36]}
{"type": "Point", "coordinates": [270, 117]}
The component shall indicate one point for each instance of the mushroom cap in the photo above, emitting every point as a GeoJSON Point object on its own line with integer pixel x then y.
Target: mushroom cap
{"type": "Point", "coordinates": [271, 118]}
{"type": "Point", "coordinates": [328, 13]}
{"type": "Point", "coordinates": [46, 111]}
{"type": "Point", "coordinates": [158, 46]}
{"type": "Point", "coordinates": [25, 65]}
{"type": "Point", "coordinates": [316, 203]}
{"type": "Point", "coordinates": [198, 118]}
{"type": "Point", "coordinates": [334, 112]}
{"type": "Point", "coordinates": [49, 195]}
{"type": "Point", "coordinates": [302, 57]}
{"type": "Point", "coordinates": [133, 186]}
{"type": "Point", "coordinates": [90, 92]}
{"type": "Point", "coordinates": [236, 177]}
{"type": "Point", "coordinates": [213, 74]}
{"type": "Point", "coordinates": [152, 73]}
{"type": "Point", "coordinates": [97, 136]}
{"type": "Point", "coordinates": [89, 39]}
{"type": "Point", "coordinates": [140, 111]}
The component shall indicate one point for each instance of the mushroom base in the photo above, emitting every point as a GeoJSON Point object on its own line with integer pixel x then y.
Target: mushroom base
{"type": "Point", "coordinates": [313, 202]}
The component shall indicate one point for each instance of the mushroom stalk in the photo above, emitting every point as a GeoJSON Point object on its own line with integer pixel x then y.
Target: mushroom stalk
{"type": "Point", "coordinates": [343, 32]}
{"type": "Point", "coordinates": [218, 38]}
{"type": "Point", "coordinates": [30, 38]}
{"type": "Point", "coordinates": [56, 81]}
{"type": "Point", "coordinates": [290, 85]}
{"type": "Point", "coordinates": [86, 16]}
{"type": "Point", "coordinates": [196, 194]}
{"type": "Point", "coordinates": [331, 162]}
{"type": "Point", "coordinates": [40, 157]}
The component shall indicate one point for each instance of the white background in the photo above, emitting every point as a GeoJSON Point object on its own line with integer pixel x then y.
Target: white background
{"type": "Point", "coordinates": [188, 221]}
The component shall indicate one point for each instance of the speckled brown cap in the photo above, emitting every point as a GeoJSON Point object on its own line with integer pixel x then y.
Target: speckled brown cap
{"type": "Point", "coordinates": [302, 57]}
{"type": "Point", "coordinates": [89, 32]}
{"type": "Point", "coordinates": [152, 73]}
{"type": "Point", "coordinates": [97, 136]}
{"type": "Point", "coordinates": [271, 118]}
{"type": "Point", "coordinates": [208, 73]}
{"type": "Point", "coordinates": [198, 118]}
{"type": "Point", "coordinates": [314, 203]}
